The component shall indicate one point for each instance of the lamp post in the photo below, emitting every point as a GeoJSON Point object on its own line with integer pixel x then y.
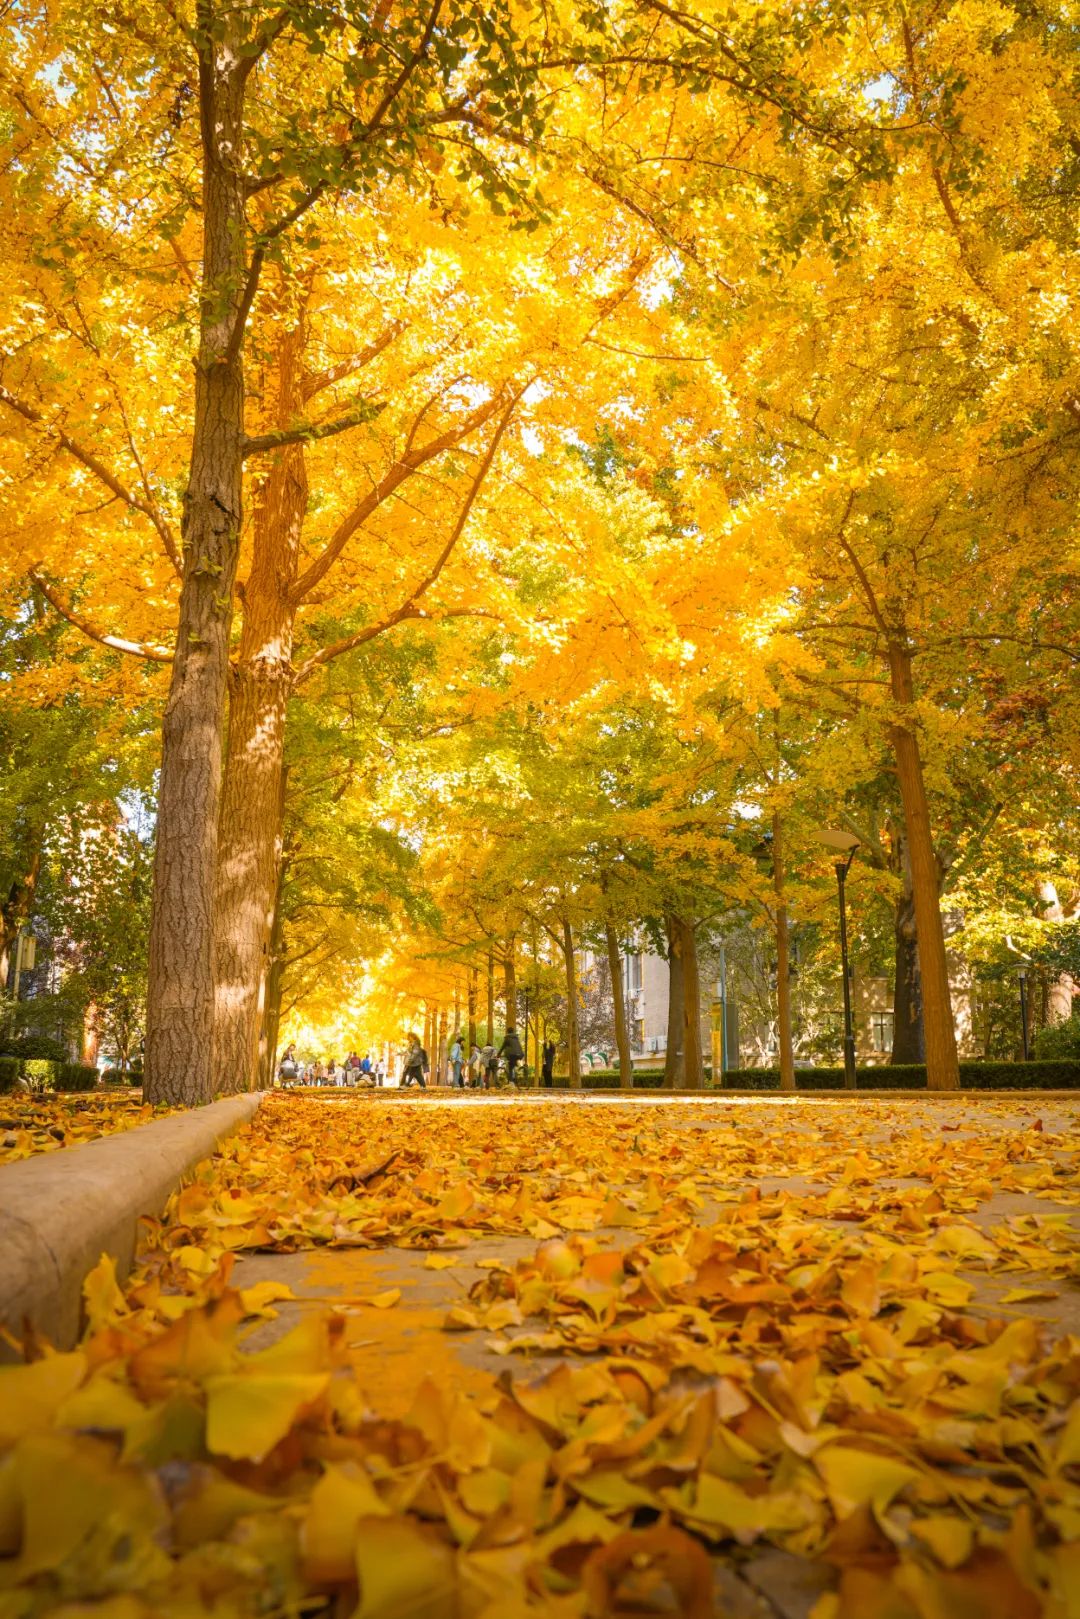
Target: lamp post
{"type": "Point", "coordinates": [1023, 1012]}
{"type": "Point", "coordinates": [844, 843]}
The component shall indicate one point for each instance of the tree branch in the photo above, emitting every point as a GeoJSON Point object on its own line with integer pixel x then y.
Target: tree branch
{"type": "Point", "coordinates": [408, 608]}
{"type": "Point", "coordinates": [92, 464]}
{"type": "Point", "coordinates": [137, 649]}
{"type": "Point", "coordinates": [311, 432]}
{"type": "Point", "coordinates": [403, 468]}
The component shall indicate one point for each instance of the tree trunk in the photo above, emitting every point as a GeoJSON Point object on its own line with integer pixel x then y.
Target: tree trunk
{"type": "Point", "coordinates": [491, 997]}
{"type": "Point", "coordinates": [909, 1043]}
{"type": "Point", "coordinates": [942, 1066]}
{"type": "Point", "coordinates": [622, 1039]}
{"type": "Point", "coordinates": [510, 985]}
{"type": "Point", "coordinates": [474, 995]}
{"type": "Point", "coordinates": [275, 983]}
{"type": "Point", "coordinates": [693, 1074]}
{"type": "Point", "coordinates": [252, 808]}
{"type": "Point", "coordinates": [180, 996]}
{"type": "Point", "coordinates": [439, 1054]}
{"type": "Point", "coordinates": [783, 963]}
{"type": "Point", "coordinates": [573, 1043]}
{"type": "Point", "coordinates": [674, 1066]}
{"type": "Point", "coordinates": [91, 1036]}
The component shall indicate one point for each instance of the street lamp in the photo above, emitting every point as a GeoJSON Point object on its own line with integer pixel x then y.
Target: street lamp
{"type": "Point", "coordinates": [843, 843]}
{"type": "Point", "coordinates": [1022, 973]}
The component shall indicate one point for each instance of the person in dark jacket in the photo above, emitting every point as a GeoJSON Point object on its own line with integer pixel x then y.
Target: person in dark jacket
{"type": "Point", "coordinates": [548, 1067]}
{"type": "Point", "coordinates": [512, 1052]}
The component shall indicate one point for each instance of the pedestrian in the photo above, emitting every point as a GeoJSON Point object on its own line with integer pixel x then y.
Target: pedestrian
{"type": "Point", "coordinates": [548, 1069]}
{"type": "Point", "coordinates": [489, 1065]}
{"type": "Point", "coordinates": [333, 1077]}
{"type": "Point", "coordinates": [318, 1072]}
{"type": "Point", "coordinates": [416, 1063]}
{"type": "Point", "coordinates": [474, 1066]}
{"type": "Point", "coordinates": [380, 1073]}
{"type": "Point", "coordinates": [457, 1057]}
{"type": "Point", "coordinates": [364, 1063]}
{"type": "Point", "coordinates": [288, 1068]}
{"type": "Point", "coordinates": [513, 1052]}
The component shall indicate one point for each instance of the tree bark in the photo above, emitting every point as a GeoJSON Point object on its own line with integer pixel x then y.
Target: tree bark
{"type": "Point", "coordinates": [783, 963]}
{"type": "Point", "coordinates": [573, 1042]}
{"type": "Point", "coordinates": [693, 1074]}
{"type": "Point", "coordinates": [438, 1065]}
{"type": "Point", "coordinates": [510, 985]}
{"type": "Point", "coordinates": [180, 998]}
{"type": "Point", "coordinates": [674, 1064]}
{"type": "Point", "coordinates": [909, 1043]}
{"type": "Point", "coordinates": [622, 1039]}
{"type": "Point", "coordinates": [474, 995]}
{"type": "Point", "coordinates": [491, 997]}
{"type": "Point", "coordinates": [942, 1065]}
{"type": "Point", "coordinates": [252, 808]}
{"type": "Point", "coordinates": [275, 982]}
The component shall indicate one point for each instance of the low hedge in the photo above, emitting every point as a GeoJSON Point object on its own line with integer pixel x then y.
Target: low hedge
{"type": "Point", "coordinates": [974, 1076]}
{"type": "Point", "coordinates": [1061, 1075]}
{"type": "Point", "coordinates": [76, 1076]}
{"type": "Point", "coordinates": [9, 1074]}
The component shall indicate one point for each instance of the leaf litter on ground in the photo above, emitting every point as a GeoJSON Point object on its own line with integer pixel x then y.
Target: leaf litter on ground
{"type": "Point", "coordinates": [766, 1334]}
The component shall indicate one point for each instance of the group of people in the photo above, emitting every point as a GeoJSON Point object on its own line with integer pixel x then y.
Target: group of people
{"type": "Point", "coordinates": [480, 1069]}
{"type": "Point", "coordinates": [483, 1068]}
{"type": "Point", "coordinates": [355, 1070]}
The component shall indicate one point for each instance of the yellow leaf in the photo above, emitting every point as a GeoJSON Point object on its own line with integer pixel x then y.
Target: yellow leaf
{"type": "Point", "coordinates": [859, 1478]}
{"type": "Point", "coordinates": [105, 1303]}
{"type": "Point", "coordinates": [951, 1540]}
{"type": "Point", "coordinates": [328, 1534]}
{"type": "Point", "coordinates": [440, 1261]}
{"type": "Point", "coordinates": [31, 1395]}
{"type": "Point", "coordinates": [247, 1415]}
{"type": "Point", "coordinates": [403, 1571]}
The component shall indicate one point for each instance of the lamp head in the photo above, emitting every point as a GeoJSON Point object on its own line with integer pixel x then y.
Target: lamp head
{"type": "Point", "coordinates": [842, 842]}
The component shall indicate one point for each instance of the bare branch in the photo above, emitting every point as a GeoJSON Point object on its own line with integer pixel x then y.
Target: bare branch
{"type": "Point", "coordinates": [116, 643]}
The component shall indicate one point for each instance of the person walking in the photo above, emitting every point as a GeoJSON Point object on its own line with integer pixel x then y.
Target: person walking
{"type": "Point", "coordinates": [512, 1051]}
{"type": "Point", "coordinates": [548, 1068]}
{"type": "Point", "coordinates": [474, 1067]}
{"type": "Point", "coordinates": [489, 1066]}
{"type": "Point", "coordinates": [457, 1058]}
{"type": "Point", "coordinates": [416, 1062]}
{"type": "Point", "coordinates": [380, 1073]}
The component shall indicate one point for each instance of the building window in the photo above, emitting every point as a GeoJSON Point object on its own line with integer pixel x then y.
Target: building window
{"type": "Point", "coordinates": [634, 973]}
{"type": "Point", "coordinates": [881, 1031]}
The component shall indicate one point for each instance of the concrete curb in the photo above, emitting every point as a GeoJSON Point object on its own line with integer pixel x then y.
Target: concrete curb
{"type": "Point", "coordinates": [61, 1211]}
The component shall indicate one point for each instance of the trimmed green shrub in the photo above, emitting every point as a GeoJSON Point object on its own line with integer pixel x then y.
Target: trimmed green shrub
{"type": "Point", "coordinates": [1059, 1041]}
{"type": "Point", "coordinates": [76, 1076]}
{"type": "Point", "coordinates": [9, 1074]}
{"type": "Point", "coordinates": [38, 1047]}
{"type": "Point", "coordinates": [39, 1073]}
{"type": "Point", "coordinates": [975, 1076]}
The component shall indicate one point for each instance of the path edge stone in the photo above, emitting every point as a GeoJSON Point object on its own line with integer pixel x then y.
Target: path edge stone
{"type": "Point", "coordinates": [61, 1211]}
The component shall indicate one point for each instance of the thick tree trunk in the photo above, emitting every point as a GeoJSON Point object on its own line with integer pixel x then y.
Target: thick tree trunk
{"type": "Point", "coordinates": [180, 999]}
{"type": "Point", "coordinates": [674, 1066]}
{"type": "Point", "coordinates": [90, 1043]}
{"type": "Point", "coordinates": [474, 995]}
{"type": "Point", "coordinates": [942, 1066]}
{"type": "Point", "coordinates": [275, 983]}
{"type": "Point", "coordinates": [622, 1038]}
{"type": "Point", "coordinates": [783, 963]}
{"type": "Point", "coordinates": [491, 997]}
{"type": "Point", "coordinates": [693, 1074]}
{"type": "Point", "coordinates": [909, 1044]}
{"type": "Point", "coordinates": [249, 846]}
